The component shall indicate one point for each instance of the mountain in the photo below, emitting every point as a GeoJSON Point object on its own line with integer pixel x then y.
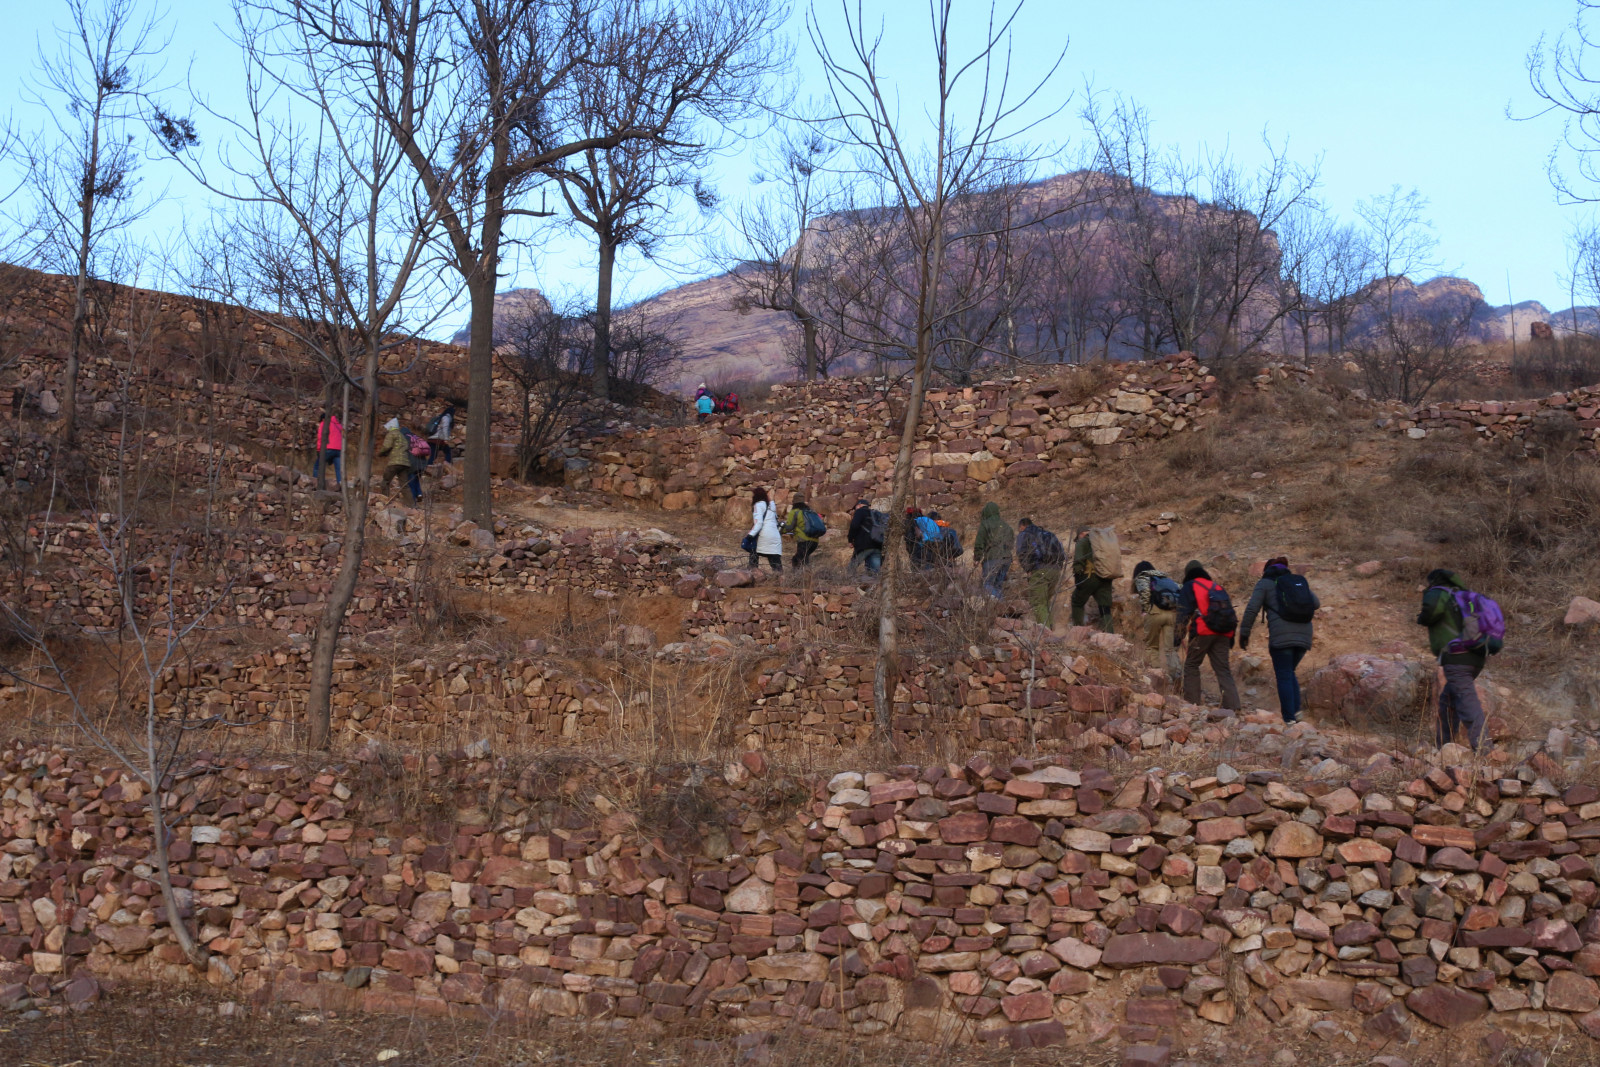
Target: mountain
{"type": "Point", "coordinates": [507, 306]}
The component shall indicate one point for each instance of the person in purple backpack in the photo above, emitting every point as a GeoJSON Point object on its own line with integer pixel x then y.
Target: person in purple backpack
{"type": "Point", "coordinates": [1462, 645]}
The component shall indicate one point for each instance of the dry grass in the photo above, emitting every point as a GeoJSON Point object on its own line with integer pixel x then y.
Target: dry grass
{"type": "Point", "coordinates": [169, 1029]}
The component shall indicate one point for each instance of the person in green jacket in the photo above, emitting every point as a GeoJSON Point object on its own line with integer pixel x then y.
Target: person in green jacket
{"type": "Point", "coordinates": [1459, 707]}
{"type": "Point", "coordinates": [991, 549]}
{"type": "Point", "coordinates": [795, 524]}
{"type": "Point", "coordinates": [396, 452]}
{"type": "Point", "coordinates": [1087, 585]}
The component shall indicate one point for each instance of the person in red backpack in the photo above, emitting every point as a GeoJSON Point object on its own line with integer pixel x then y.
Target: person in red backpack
{"type": "Point", "coordinates": [1206, 620]}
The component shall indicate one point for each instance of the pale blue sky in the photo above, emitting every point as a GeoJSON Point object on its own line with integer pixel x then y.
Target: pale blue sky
{"type": "Point", "coordinates": [1385, 92]}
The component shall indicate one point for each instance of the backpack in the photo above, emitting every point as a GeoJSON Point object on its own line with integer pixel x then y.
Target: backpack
{"type": "Point", "coordinates": [1483, 624]}
{"type": "Point", "coordinates": [1218, 616]}
{"type": "Point", "coordinates": [1043, 549]}
{"type": "Point", "coordinates": [1107, 562]}
{"type": "Point", "coordinates": [433, 425]}
{"type": "Point", "coordinates": [949, 543]}
{"type": "Point", "coordinates": [1295, 601]}
{"type": "Point", "coordinates": [811, 524]}
{"type": "Point", "coordinates": [877, 527]}
{"type": "Point", "coordinates": [417, 446]}
{"type": "Point", "coordinates": [1164, 593]}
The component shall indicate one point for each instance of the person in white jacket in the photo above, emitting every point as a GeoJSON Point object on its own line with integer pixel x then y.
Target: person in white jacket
{"type": "Point", "coordinates": [768, 543]}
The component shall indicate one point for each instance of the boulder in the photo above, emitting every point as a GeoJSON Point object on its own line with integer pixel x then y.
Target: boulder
{"type": "Point", "coordinates": [1364, 690]}
{"type": "Point", "coordinates": [1582, 611]}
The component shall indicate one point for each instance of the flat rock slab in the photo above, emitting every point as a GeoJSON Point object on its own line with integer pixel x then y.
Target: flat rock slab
{"type": "Point", "coordinates": [1139, 950]}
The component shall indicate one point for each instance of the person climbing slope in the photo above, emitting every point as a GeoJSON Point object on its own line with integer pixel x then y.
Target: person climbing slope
{"type": "Point", "coordinates": [1464, 629]}
{"type": "Point", "coordinates": [1290, 605]}
{"type": "Point", "coordinates": [1206, 620]}
{"type": "Point", "coordinates": [992, 548]}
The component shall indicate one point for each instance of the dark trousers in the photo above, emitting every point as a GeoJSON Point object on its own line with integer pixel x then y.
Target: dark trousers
{"type": "Point", "coordinates": [1215, 648]}
{"type": "Point", "coordinates": [995, 572]}
{"type": "Point", "coordinates": [406, 472]}
{"type": "Point", "coordinates": [1092, 587]}
{"type": "Point", "coordinates": [774, 561]}
{"type": "Point", "coordinates": [1459, 708]}
{"type": "Point", "coordinates": [871, 558]}
{"type": "Point", "coordinates": [802, 551]}
{"type": "Point", "coordinates": [440, 448]}
{"type": "Point", "coordinates": [331, 457]}
{"type": "Point", "coordinates": [1284, 662]}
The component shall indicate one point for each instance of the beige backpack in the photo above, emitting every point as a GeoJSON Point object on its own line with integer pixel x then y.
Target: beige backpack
{"type": "Point", "coordinates": [1107, 562]}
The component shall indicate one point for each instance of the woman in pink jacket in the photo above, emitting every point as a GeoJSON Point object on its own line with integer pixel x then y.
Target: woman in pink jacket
{"type": "Point", "coordinates": [330, 449]}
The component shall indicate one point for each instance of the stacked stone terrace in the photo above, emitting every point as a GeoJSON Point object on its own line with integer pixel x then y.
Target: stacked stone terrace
{"type": "Point", "coordinates": [1020, 901]}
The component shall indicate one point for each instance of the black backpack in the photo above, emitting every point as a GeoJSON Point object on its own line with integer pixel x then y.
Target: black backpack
{"type": "Point", "coordinates": [1044, 549]}
{"type": "Point", "coordinates": [1164, 593]}
{"type": "Point", "coordinates": [1295, 601]}
{"type": "Point", "coordinates": [949, 546]}
{"type": "Point", "coordinates": [1220, 616]}
{"type": "Point", "coordinates": [877, 527]}
{"type": "Point", "coordinates": [811, 524]}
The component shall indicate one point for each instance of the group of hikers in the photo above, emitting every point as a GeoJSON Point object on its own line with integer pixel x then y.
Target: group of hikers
{"type": "Point", "coordinates": [1194, 613]}
{"type": "Point", "coordinates": [708, 403]}
{"type": "Point", "coordinates": [405, 453]}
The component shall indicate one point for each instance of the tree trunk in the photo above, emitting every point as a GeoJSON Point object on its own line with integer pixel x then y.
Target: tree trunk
{"type": "Point", "coordinates": [477, 503]}
{"type": "Point", "coordinates": [169, 898]}
{"type": "Point", "coordinates": [319, 711]}
{"type": "Point", "coordinates": [808, 330]}
{"type": "Point", "coordinates": [601, 360]}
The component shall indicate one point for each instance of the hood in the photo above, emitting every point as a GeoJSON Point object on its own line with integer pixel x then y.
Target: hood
{"type": "Point", "coordinates": [392, 424]}
{"type": "Point", "coordinates": [1194, 569]}
{"type": "Point", "coordinates": [1440, 576]}
{"type": "Point", "coordinates": [991, 510]}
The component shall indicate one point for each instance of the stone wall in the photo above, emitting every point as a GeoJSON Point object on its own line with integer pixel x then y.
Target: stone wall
{"type": "Point", "coordinates": [835, 441]}
{"type": "Point", "coordinates": [1525, 421]}
{"type": "Point", "coordinates": [1023, 902]}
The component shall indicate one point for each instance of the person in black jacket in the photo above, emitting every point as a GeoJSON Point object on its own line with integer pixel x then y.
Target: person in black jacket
{"type": "Point", "coordinates": [866, 550]}
{"type": "Point", "coordinates": [1287, 641]}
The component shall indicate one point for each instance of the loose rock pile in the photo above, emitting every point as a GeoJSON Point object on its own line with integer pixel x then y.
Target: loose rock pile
{"type": "Point", "coordinates": [1024, 902]}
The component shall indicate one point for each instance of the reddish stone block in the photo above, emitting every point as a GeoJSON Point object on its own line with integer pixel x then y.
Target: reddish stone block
{"type": "Point", "coordinates": [964, 828]}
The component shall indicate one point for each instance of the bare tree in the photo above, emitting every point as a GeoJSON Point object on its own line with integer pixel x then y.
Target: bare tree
{"type": "Point", "coordinates": [345, 223]}
{"type": "Point", "coordinates": [542, 352]}
{"type": "Point", "coordinates": [1564, 77]}
{"type": "Point", "coordinates": [772, 265]}
{"type": "Point", "coordinates": [1198, 239]}
{"type": "Point", "coordinates": [1415, 346]}
{"type": "Point", "coordinates": [97, 90]}
{"type": "Point", "coordinates": [1339, 276]}
{"type": "Point", "coordinates": [625, 193]}
{"type": "Point", "coordinates": [968, 146]}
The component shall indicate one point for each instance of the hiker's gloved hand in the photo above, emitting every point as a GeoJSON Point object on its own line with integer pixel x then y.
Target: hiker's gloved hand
{"type": "Point", "coordinates": [1244, 643]}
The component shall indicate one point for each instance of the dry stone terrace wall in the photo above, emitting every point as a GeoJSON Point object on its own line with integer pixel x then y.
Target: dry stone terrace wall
{"type": "Point", "coordinates": [1518, 420]}
{"type": "Point", "coordinates": [520, 702]}
{"type": "Point", "coordinates": [835, 441]}
{"type": "Point", "coordinates": [1022, 902]}
{"type": "Point", "coordinates": [271, 580]}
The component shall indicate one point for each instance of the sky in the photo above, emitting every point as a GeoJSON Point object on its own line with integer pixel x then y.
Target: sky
{"type": "Point", "coordinates": [1378, 93]}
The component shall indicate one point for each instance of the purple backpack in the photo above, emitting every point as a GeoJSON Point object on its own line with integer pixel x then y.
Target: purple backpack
{"type": "Point", "coordinates": [1483, 624]}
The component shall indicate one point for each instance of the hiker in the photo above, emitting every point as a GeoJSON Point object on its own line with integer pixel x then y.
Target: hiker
{"type": "Point", "coordinates": [1464, 630]}
{"type": "Point", "coordinates": [702, 391]}
{"type": "Point", "coordinates": [764, 541]}
{"type": "Point", "coordinates": [868, 528]}
{"type": "Point", "coordinates": [1096, 560]}
{"type": "Point", "coordinates": [396, 452]}
{"type": "Point", "coordinates": [1290, 604]}
{"type": "Point", "coordinates": [704, 406]}
{"type": "Point", "coordinates": [918, 549]}
{"type": "Point", "coordinates": [991, 549]}
{"type": "Point", "coordinates": [1158, 597]}
{"type": "Point", "coordinates": [438, 431]}
{"type": "Point", "coordinates": [1206, 620]}
{"type": "Point", "coordinates": [330, 450]}
{"type": "Point", "coordinates": [944, 542]}
{"type": "Point", "coordinates": [807, 527]}
{"type": "Point", "coordinates": [1041, 556]}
